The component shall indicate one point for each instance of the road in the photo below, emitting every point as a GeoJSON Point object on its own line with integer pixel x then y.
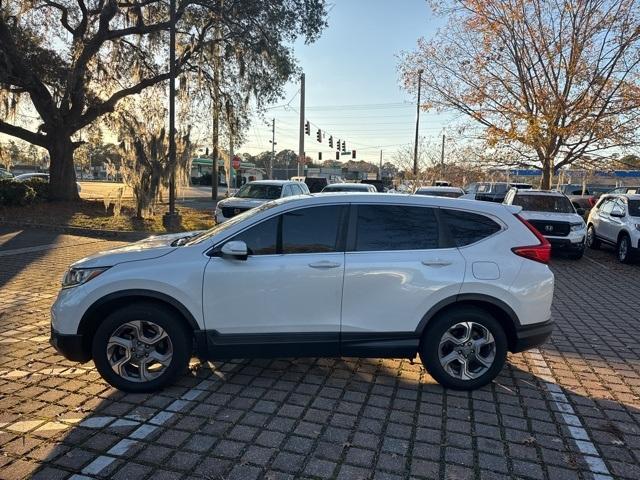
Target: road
{"type": "Point", "coordinates": [570, 410]}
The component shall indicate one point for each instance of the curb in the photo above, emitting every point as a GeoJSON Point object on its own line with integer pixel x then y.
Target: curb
{"type": "Point", "coordinates": [81, 231]}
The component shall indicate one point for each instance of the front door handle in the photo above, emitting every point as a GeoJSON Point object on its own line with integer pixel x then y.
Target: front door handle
{"type": "Point", "coordinates": [324, 264]}
{"type": "Point", "coordinates": [436, 263]}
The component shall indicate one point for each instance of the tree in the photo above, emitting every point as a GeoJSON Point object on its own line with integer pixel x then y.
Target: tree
{"type": "Point", "coordinates": [71, 62]}
{"type": "Point", "coordinates": [553, 81]}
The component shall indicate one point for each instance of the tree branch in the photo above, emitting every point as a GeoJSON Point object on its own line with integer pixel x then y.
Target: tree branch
{"type": "Point", "coordinates": [23, 134]}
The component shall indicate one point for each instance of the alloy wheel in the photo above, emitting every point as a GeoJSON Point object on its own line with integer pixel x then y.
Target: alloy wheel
{"type": "Point", "coordinates": [623, 249]}
{"type": "Point", "coordinates": [139, 351]}
{"type": "Point", "coordinates": [467, 350]}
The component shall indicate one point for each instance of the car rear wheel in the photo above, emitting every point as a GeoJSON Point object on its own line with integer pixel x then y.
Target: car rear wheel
{"type": "Point", "coordinates": [141, 348]}
{"type": "Point", "coordinates": [592, 240]}
{"type": "Point", "coordinates": [464, 348]}
{"type": "Point", "coordinates": [623, 249]}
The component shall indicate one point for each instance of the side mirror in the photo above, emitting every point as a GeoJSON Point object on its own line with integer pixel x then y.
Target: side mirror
{"type": "Point", "coordinates": [581, 211]}
{"type": "Point", "coordinates": [235, 249]}
{"type": "Point", "coordinates": [617, 212]}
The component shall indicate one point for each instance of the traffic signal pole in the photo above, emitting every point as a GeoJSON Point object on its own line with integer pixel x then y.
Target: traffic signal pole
{"type": "Point", "coordinates": [301, 139]}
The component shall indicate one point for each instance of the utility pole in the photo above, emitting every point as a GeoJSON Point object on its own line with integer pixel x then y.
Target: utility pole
{"type": "Point", "coordinates": [171, 220]}
{"type": "Point", "coordinates": [273, 149]}
{"type": "Point", "coordinates": [301, 133]}
{"type": "Point", "coordinates": [415, 147]}
{"type": "Point", "coordinates": [380, 167]}
{"type": "Point", "coordinates": [442, 159]}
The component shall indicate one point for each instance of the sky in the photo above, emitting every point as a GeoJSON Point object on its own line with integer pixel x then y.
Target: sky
{"type": "Point", "coordinates": [352, 85]}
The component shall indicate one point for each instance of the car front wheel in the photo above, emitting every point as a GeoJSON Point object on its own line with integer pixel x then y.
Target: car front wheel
{"type": "Point", "coordinates": [592, 240]}
{"type": "Point", "coordinates": [141, 348]}
{"type": "Point", "coordinates": [464, 349]}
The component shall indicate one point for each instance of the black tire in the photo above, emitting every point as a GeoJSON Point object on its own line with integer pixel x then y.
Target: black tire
{"type": "Point", "coordinates": [179, 335]}
{"type": "Point", "coordinates": [429, 348]}
{"type": "Point", "coordinates": [577, 255]}
{"type": "Point", "coordinates": [592, 241]}
{"type": "Point", "coordinates": [623, 249]}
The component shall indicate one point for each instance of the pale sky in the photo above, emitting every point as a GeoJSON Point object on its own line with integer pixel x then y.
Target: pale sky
{"type": "Point", "coordinates": [352, 85]}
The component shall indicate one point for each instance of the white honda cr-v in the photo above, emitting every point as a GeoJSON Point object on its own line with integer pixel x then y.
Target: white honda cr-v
{"type": "Point", "coordinates": [355, 275]}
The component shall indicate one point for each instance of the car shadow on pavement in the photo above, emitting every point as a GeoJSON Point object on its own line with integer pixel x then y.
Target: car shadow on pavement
{"type": "Point", "coordinates": [351, 418]}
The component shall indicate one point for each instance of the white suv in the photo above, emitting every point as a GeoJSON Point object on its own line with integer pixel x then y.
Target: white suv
{"type": "Point", "coordinates": [254, 194]}
{"type": "Point", "coordinates": [615, 220]}
{"type": "Point", "coordinates": [354, 275]}
{"type": "Point", "coordinates": [554, 216]}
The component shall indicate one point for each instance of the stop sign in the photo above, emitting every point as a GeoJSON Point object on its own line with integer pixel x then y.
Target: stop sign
{"type": "Point", "coordinates": [235, 163]}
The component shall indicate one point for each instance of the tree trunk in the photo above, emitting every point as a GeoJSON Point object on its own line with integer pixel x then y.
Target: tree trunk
{"type": "Point", "coordinates": [547, 173]}
{"type": "Point", "coordinates": [62, 173]}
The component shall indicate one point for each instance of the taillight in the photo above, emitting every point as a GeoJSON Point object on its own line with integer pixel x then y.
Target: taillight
{"type": "Point", "coordinates": [593, 201]}
{"type": "Point", "coordinates": [538, 253]}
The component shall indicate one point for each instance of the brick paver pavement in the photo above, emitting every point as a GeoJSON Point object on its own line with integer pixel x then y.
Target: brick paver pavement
{"type": "Point", "coordinates": [569, 410]}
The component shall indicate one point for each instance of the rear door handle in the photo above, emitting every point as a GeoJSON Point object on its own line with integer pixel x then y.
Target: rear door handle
{"type": "Point", "coordinates": [436, 263]}
{"type": "Point", "coordinates": [325, 264]}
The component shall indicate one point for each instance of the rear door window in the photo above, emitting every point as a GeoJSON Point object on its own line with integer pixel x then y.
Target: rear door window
{"type": "Point", "coordinates": [396, 227]}
{"type": "Point", "coordinates": [467, 228]}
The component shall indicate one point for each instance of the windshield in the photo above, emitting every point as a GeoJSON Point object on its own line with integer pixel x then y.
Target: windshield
{"type": "Point", "coordinates": [544, 203]}
{"type": "Point", "coordinates": [634, 208]}
{"type": "Point", "coordinates": [440, 193]}
{"type": "Point", "coordinates": [221, 227]}
{"type": "Point", "coordinates": [259, 190]}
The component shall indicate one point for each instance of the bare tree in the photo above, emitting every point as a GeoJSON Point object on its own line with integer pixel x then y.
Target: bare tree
{"type": "Point", "coordinates": [553, 80]}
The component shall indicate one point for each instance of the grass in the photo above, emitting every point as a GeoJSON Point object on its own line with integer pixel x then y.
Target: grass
{"type": "Point", "coordinates": [93, 215]}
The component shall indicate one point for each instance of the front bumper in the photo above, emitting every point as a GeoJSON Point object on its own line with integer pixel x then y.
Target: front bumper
{"type": "Point", "coordinates": [565, 244]}
{"type": "Point", "coordinates": [530, 336]}
{"type": "Point", "coordinates": [70, 346]}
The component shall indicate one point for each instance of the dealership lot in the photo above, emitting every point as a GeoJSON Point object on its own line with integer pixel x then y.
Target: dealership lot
{"type": "Point", "coordinates": [568, 410]}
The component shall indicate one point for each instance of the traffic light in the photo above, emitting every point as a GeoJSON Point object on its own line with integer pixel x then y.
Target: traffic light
{"type": "Point", "coordinates": [337, 155]}
{"type": "Point", "coordinates": [319, 136]}
{"type": "Point", "coordinates": [331, 141]}
{"type": "Point", "coordinates": [338, 145]}
{"type": "Point", "coordinates": [353, 154]}
{"type": "Point", "coordinates": [344, 147]}
{"type": "Point", "coordinates": [320, 156]}
{"type": "Point", "coordinates": [307, 128]}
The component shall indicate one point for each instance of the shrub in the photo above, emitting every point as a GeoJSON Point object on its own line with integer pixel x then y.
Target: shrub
{"type": "Point", "coordinates": [41, 187]}
{"type": "Point", "coordinates": [16, 193]}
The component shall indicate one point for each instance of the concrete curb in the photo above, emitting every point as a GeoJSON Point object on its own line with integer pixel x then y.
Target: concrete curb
{"type": "Point", "coordinates": [127, 235]}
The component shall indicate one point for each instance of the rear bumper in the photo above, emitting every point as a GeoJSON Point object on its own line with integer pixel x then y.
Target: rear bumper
{"type": "Point", "coordinates": [530, 336]}
{"type": "Point", "coordinates": [70, 346]}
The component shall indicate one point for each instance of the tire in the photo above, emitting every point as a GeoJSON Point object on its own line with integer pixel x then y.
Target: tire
{"type": "Point", "coordinates": [432, 349]}
{"type": "Point", "coordinates": [577, 255]}
{"type": "Point", "coordinates": [623, 249]}
{"type": "Point", "coordinates": [592, 241]}
{"type": "Point", "coordinates": [153, 336]}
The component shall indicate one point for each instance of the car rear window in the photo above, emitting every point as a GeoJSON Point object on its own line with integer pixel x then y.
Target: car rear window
{"type": "Point", "coordinates": [467, 228]}
{"type": "Point", "coordinates": [544, 203]}
{"type": "Point", "coordinates": [396, 227]}
{"type": "Point", "coordinates": [634, 208]}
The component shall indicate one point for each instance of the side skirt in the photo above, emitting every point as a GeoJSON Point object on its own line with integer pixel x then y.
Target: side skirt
{"type": "Point", "coordinates": [213, 345]}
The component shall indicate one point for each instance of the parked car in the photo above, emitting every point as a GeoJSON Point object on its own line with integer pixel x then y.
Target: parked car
{"type": "Point", "coordinates": [632, 190]}
{"type": "Point", "coordinates": [463, 282]}
{"type": "Point", "coordinates": [254, 194]}
{"type": "Point", "coordinates": [42, 176]}
{"type": "Point", "coordinates": [615, 220]}
{"type": "Point", "coordinates": [349, 187]}
{"type": "Point", "coordinates": [491, 191]}
{"type": "Point", "coordinates": [554, 216]}
{"type": "Point", "coordinates": [451, 192]}
{"type": "Point", "coordinates": [5, 174]}
{"type": "Point", "coordinates": [584, 196]}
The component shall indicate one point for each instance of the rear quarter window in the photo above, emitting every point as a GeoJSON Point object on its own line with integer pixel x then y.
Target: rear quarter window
{"type": "Point", "coordinates": [467, 228]}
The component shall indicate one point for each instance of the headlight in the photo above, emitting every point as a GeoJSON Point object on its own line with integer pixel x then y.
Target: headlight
{"type": "Point", "coordinates": [577, 226]}
{"type": "Point", "coordinates": [78, 276]}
